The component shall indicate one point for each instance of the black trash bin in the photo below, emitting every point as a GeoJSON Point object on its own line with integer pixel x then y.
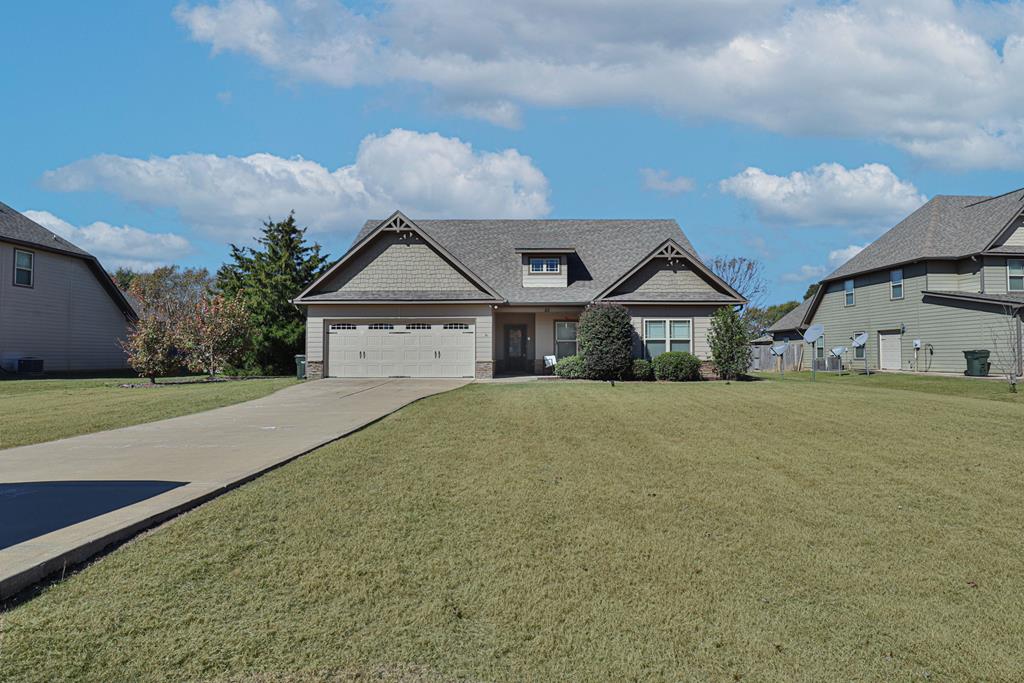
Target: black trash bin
{"type": "Point", "coordinates": [977, 363]}
{"type": "Point", "coordinates": [300, 367]}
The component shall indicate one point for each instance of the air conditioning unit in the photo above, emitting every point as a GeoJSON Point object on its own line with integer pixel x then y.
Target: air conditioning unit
{"type": "Point", "coordinates": [14, 361]}
{"type": "Point", "coordinates": [30, 366]}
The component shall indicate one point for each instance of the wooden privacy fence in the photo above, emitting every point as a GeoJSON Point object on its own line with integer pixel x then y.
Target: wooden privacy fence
{"type": "Point", "coordinates": [763, 360]}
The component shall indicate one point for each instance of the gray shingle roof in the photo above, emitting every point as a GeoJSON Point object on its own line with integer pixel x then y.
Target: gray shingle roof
{"type": "Point", "coordinates": [16, 227]}
{"type": "Point", "coordinates": [605, 250]}
{"type": "Point", "coordinates": [411, 295]}
{"type": "Point", "coordinates": [1014, 299]}
{"type": "Point", "coordinates": [792, 320]}
{"type": "Point", "coordinates": [945, 227]}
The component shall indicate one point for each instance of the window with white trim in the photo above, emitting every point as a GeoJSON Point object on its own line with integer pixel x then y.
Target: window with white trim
{"type": "Point", "coordinates": [1015, 275]}
{"type": "Point", "coordinates": [335, 327]}
{"type": "Point", "coordinates": [850, 296]}
{"type": "Point", "coordinates": [566, 343]}
{"type": "Point", "coordinates": [819, 347]}
{"type": "Point", "coordinates": [418, 326]}
{"type": "Point", "coordinates": [667, 335]}
{"type": "Point", "coordinates": [858, 351]}
{"type": "Point", "coordinates": [896, 284]}
{"type": "Point", "coordinates": [545, 265]}
{"type": "Point", "coordinates": [24, 268]}
{"type": "Point", "coordinates": [381, 326]}
{"type": "Point", "coordinates": [456, 326]}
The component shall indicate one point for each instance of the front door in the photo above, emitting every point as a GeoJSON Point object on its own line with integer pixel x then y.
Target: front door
{"type": "Point", "coordinates": [515, 348]}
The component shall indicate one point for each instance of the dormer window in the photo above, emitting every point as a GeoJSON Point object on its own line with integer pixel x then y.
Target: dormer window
{"type": "Point", "coordinates": [545, 265]}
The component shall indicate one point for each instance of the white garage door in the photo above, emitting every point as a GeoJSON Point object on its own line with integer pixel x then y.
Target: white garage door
{"type": "Point", "coordinates": [890, 351]}
{"type": "Point", "coordinates": [401, 348]}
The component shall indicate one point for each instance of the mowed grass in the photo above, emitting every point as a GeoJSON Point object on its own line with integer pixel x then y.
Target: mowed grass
{"type": "Point", "coordinates": [761, 531]}
{"type": "Point", "coordinates": [993, 389]}
{"type": "Point", "coordinates": [32, 411]}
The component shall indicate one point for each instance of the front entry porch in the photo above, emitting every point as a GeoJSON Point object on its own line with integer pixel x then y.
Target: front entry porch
{"type": "Point", "coordinates": [524, 336]}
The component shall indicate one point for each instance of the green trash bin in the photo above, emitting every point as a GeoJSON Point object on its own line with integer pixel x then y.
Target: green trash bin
{"type": "Point", "coordinates": [977, 363]}
{"type": "Point", "coordinates": [300, 366]}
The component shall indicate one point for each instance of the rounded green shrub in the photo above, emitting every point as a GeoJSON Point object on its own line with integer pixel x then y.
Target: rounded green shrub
{"type": "Point", "coordinates": [642, 370]}
{"type": "Point", "coordinates": [677, 366]}
{"type": "Point", "coordinates": [571, 367]}
{"type": "Point", "coordinates": [606, 341]}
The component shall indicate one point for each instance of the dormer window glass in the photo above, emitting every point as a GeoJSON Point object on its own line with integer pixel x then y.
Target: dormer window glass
{"type": "Point", "coordinates": [545, 265]}
{"type": "Point", "coordinates": [1015, 275]}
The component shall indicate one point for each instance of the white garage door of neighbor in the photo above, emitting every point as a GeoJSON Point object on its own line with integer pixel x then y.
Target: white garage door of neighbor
{"type": "Point", "coordinates": [401, 348]}
{"type": "Point", "coordinates": [890, 351]}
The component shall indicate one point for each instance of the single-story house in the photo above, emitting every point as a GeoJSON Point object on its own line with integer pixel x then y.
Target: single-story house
{"type": "Point", "coordinates": [58, 307]}
{"type": "Point", "coordinates": [790, 327]}
{"type": "Point", "coordinates": [471, 298]}
{"type": "Point", "coordinates": [947, 279]}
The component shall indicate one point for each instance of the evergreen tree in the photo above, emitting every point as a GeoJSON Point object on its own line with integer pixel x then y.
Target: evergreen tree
{"type": "Point", "coordinates": [267, 278]}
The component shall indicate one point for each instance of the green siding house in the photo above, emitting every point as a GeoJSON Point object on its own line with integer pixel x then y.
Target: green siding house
{"type": "Point", "coordinates": [947, 279]}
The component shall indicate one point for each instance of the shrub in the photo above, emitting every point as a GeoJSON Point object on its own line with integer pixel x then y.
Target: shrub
{"type": "Point", "coordinates": [730, 344]}
{"type": "Point", "coordinates": [606, 341]}
{"type": "Point", "coordinates": [642, 370]}
{"type": "Point", "coordinates": [677, 366]}
{"type": "Point", "coordinates": [570, 367]}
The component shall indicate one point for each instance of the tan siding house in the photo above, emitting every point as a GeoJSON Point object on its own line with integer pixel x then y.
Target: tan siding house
{"type": "Point", "coordinates": [443, 298]}
{"type": "Point", "coordinates": [57, 304]}
{"type": "Point", "coordinates": [940, 283]}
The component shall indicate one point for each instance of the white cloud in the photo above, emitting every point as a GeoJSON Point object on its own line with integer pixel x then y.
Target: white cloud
{"type": "Point", "coordinates": [838, 257]}
{"type": "Point", "coordinates": [936, 78]}
{"type": "Point", "coordinates": [805, 274]}
{"type": "Point", "coordinates": [659, 180]}
{"type": "Point", "coordinates": [828, 194]}
{"type": "Point", "coordinates": [423, 174]}
{"type": "Point", "coordinates": [117, 246]}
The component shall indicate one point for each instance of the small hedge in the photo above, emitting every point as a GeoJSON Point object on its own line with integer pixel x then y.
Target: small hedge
{"type": "Point", "coordinates": [571, 367]}
{"type": "Point", "coordinates": [677, 366]}
{"type": "Point", "coordinates": [642, 370]}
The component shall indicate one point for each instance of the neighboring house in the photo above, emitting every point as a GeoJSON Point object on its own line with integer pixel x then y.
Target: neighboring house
{"type": "Point", "coordinates": [790, 327]}
{"type": "Point", "coordinates": [57, 304]}
{"type": "Point", "coordinates": [468, 298]}
{"type": "Point", "coordinates": [947, 279]}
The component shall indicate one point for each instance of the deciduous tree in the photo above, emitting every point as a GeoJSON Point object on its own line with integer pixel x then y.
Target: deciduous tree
{"type": "Point", "coordinates": [214, 334]}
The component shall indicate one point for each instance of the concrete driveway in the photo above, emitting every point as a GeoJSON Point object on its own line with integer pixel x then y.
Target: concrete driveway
{"type": "Point", "coordinates": [207, 453]}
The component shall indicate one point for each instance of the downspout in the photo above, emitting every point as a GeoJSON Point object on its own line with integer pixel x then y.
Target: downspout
{"type": "Point", "coordinates": [1020, 343]}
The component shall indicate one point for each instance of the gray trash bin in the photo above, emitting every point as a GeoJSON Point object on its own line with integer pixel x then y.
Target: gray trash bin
{"type": "Point", "coordinates": [300, 366]}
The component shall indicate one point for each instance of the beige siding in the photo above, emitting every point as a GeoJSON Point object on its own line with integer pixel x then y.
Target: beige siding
{"type": "Point", "coordinates": [994, 271]}
{"type": "Point", "coordinates": [943, 275]}
{"type": "Point", "coordinates": [559, 279]}
{"type": "Point", "coordinates": [393, 263]}
{"type": "Point", "coordinates": [945, 329]}
{"type": "Point", "coordinates": [1015, 237]}
{"type": "Point", "coordinates": [701, 316]}
{"type": "Point", "coordinates": [657, 277]}
{"type": "Point", "coordinates": [969, 272]}
{"type": "Point", "coordinates": [66, 318]}
{"type": "Point", "coordinates": [316, 314]}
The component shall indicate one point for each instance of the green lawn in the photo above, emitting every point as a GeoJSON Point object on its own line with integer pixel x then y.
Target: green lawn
{"type": "Point", "coordinates": [997, 390]}
{"type": "Point", "coordinates": [761, 531]}
{"type": "Point", "coordinates": [32, 411]}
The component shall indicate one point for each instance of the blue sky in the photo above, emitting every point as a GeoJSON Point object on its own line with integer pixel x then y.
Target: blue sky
{"type": "Point", "coordinates": [790, 132]}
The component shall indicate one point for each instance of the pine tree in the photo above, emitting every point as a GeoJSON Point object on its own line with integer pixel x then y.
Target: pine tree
{"type": "Point", "coordinates": [268, 277]}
